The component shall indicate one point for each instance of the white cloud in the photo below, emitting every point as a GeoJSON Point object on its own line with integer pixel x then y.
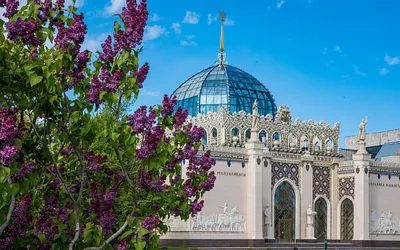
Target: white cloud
{"type": "Point", "coordinates": [116, 5]}
{"type": "Point", "coordinates": [94, 44]}
{"type": "Point", "coordinates": [176, 27]}
{"type": "Point", "coordinates": [154, 18]}
{"type": "Point", "coordinates": [211, 19]}
{"type": "Point", "coordinates": [337, 49]}
{"type": "Point", "coordinates": [191, 18]}
{"type": "Point", "coordinates": [154, 32]}
{"type": "Point", "coordinates": [188, 43]}
{"type": "Point", "coordinates": [280, 3]}
{"type": "Point", "coordinates": [189, 37]}
{"type": "Point", "coordinates": [383, 71]}
{"type": "Point", "coordinates": [229, 22]}
{"type": "Point", "coordinates": [358, 71]}
{"type": "Point", "coordinates": [392, 60]}
{"type": "Point", "coordinates": [78, 3]}
{"type": "Point", "coordinates": [346, 76]}
{"type": "Point", "coordinates": [325, 51]}
{"type": "Point", "coordinates": [149, 92]}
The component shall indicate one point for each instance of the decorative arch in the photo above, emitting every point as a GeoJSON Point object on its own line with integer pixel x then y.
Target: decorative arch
{"type": "Point", "coordinates": [304, 143]}
{"type": "Point", "coordinates": [235, 132]}
{"type": "Point", "coordinates": [262, 134]}
{"type": "Point", "coordinates": [328, 214]}
{"type": "Point", "coordinates": [204, 139]}
{"type": "Point", "coordinates": [316, 146]}
{"type": "Point", "coordinates": [292, 139]}
{"type": "Point", "coordinates": [247, 134]}
{"type": "Point", "coordinates": [297, 205]}
{"type": "Point", "coordinates": [328, 143]}
{"type": "Point", "coordinates": [339, 211]}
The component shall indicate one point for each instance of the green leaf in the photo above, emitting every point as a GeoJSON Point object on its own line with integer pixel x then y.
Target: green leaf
{"type": "Point", "coordinates": [35, 79]}
{"type": "Point", "coordinates": [102, 93]}
{"type": "Point", "coordinates": [126, 234]}
{"type": "Point", "coordinates": [42, 238]}
{"type": "Point", "coordinates": [140, 245]}
{"type": "Point", "coordinates": [143, 231]}
{"type": "Point", "coordinates": [61, 227]}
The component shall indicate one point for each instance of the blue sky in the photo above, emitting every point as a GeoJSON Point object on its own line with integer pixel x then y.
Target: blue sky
{"type": "Point", "coordinates": [331, 60]}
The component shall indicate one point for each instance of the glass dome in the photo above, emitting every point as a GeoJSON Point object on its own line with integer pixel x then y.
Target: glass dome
{"type": "Point", "coordinates": [231, 87]}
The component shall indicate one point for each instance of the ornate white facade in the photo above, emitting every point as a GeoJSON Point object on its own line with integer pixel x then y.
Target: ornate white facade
{"type": "Point", "coordinates": [296, 166]}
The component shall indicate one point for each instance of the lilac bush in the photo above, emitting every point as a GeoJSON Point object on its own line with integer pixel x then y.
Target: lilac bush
{"type": "Point", "coordinates": [77, 170]}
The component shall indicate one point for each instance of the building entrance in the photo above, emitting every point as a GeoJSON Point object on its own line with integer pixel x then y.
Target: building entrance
{"type": "Point", "coordinates": [284, 223]}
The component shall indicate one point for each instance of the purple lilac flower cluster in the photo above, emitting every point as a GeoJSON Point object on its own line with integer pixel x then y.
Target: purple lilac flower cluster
{"type": "Point", "coordinates": [24, 171]}
{"type": "Point", "coordinates": [44, 221]}
{"type": "Point", "coordinates": [94, 161]}
{"type": "Point", "coordinates": [101, 204]}
{"type": "Point", "coordinates": [9, 131]}
{"type": "Point", "coordinates": [73, 36]}
{"type": "Point", "coordinates": [24, 31]}
{"type": "Point", "coordinates": [20, 216]}
{"type": "Point", "coordinates": [140, 122]}
{"type": "Point", "coordinates": [81, 61]}
{"type": "Point", "coordinates": [108, 82]}
{"type": "Point", "coordinates": [124, 243]}
{"type": "Point", "coordinates": [134, 18]}
{"type": "Point", "coordinates": [11, 8]}
{"type": "Point", "coordinates": [196, 207]}
{"type": "Point", "coordinates": [150, 222]}
{"type": "Point", "coordinates": [146, 182]}
{"type": "Point", "coordinates": [150, 143]}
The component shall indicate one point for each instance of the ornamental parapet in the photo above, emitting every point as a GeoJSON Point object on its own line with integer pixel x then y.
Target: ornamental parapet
{"type": "Point", "coordinates": [279, 134]}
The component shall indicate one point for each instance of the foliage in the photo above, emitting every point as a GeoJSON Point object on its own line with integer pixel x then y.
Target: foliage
{"type": "Point", "coordinates": [76, 175]}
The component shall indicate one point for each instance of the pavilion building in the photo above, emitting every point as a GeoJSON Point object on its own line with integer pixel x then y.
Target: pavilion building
{"type": "Point", "coordinates": [279, 179]}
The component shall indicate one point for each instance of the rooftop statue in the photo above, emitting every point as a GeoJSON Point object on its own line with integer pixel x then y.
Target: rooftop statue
{"type": "Point", "coordinates": [255, 115]}
{"type": "Point", "coordinates": [361, 134]}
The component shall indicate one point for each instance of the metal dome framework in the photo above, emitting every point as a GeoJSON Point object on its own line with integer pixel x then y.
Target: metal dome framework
{"type": "Point", "coordinates": [227, 86]}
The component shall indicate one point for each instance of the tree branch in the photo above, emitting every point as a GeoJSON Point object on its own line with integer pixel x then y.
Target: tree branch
{"type": "Point", "coordinates": [10, 210]}
{"type": "Point", "coordinates": [77, 229]}
{"type": "Point", "coordinates": [112, 237]}
{"type": "Point", "coordinates": [58, 174]}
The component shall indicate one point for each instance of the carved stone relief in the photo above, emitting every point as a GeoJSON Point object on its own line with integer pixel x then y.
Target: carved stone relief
{"type": "Point", "coordinates": [226, 220]}
{"type": "Point", "coordinates": [385, 224]}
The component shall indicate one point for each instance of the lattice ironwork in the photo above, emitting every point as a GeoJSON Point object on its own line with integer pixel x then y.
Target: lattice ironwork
{"type": "Point", "coordinates": [281, 170]}
{"type": "Point", "coordinates": [285, 201]}
{"type": "Point", "coordinates": [346, 187]}
{"type": "Point", "coordinates": [347, 220]}
{"type": "Point", "coordinates": [321, 218]}
{"type": "Point", "coordinates": [321, 181]}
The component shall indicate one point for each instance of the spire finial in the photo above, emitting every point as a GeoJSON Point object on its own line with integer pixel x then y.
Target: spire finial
{"type": "Point", "coordinates": [221, 55]}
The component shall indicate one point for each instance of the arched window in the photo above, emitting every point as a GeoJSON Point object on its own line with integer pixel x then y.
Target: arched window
{"type": "Point", "coordinates": [285, 213]}
{"type": "Point", "coordinates": [214, 132]}
{"type": "Point", "coordinates": [248, 134]}
{"type": "Point", "coordinates": [204, 138]}
{"type": "Point", "coordinates": [275, 136]}
{"type": "Point", "coordinates": [321, 219]}
{"type": "Point", "coordinates": [329, 145]}
{"type": "Point", "coordinates": [262, 136]}
{"type": "Point", "coordinates": [346, 219]}
{"type": "Point", "coordinates": [235, 132]}
{"type": "Point", "coordinates": [304, 143]}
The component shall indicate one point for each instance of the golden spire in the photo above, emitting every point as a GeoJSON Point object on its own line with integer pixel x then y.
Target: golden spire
{"type": "Point", "coordinates": [221, 55]}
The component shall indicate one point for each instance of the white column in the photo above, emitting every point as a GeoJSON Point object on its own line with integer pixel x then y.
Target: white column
{"type": "Point", "coordinates": [334, 201]}
{"type": "Point", "coordinates": [361, 196]}
{"type": "Point", "coordinates": [306, 191]}
{"type": "Point", "coordinates": [255, 219]}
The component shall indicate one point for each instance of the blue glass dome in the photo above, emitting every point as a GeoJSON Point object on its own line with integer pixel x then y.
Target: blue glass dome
{"type": "Point", "coordinates": [231, 87]}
